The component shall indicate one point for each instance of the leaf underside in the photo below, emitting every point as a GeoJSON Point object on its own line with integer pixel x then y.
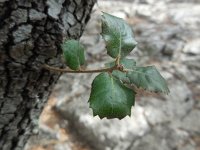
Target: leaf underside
{"type": "Point", "coordinates": [148, 78]}
{"type": "Point", "coordinates": [73, 53]}
{"type": "Point", "coordinates": [118, 36]}
{"type": "Point", "coordinates": [110, 98]}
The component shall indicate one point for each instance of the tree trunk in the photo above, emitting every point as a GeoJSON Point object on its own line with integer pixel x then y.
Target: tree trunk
{"type": "Point", "coordinates": [30, 34]}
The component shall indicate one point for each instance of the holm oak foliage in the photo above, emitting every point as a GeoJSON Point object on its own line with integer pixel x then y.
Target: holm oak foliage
{"type": "Point", "coordinates": [111, 93]}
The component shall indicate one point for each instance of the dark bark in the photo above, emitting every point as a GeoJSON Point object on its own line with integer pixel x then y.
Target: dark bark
{"type": "Point", "coordinates": [30, 34]}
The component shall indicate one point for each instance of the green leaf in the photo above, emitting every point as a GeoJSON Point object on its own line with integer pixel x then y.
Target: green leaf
{"type": "Point", "coordinates": [127, 64]}
{"type": "Point", "coordinates": [148, 78]}
{"type": "Point", "coordinates": [110, 98]}
{"type": "Point", "coordinates": [118, 36]}
{"type": "Point", "coordinates": [73, 53]}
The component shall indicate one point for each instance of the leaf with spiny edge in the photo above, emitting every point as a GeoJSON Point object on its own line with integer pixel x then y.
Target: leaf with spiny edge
{"type": "Point", "coordinates": [110, 98]}
{"type": "Point", "coordinates": [148, 78]}
{"type": "Point", "coordinates": [118, 36]}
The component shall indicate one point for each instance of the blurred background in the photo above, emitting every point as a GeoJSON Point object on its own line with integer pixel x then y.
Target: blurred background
{"type": "Point", "coordinates": [168, 36]}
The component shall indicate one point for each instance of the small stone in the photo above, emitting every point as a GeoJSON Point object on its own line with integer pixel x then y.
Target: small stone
{"type": "Point", "coordinates": [120, 14]}
{"type": "Point", "coordinates": [64, 146]}
{"type": "Point", "coordinates": [184, 17]}
{"type": "Point", "coordinates": [167, 138]}
{"type": "Point", "coordinates": [190, 122]}
{"type": "Point", "coordinates": [192, 47]}
{"type": "Point", "coordinates": [172, 46]}
{"type": "Point", "coordinates": [185, 73]}
{"type": "Point", "coordinates": [35, 15]}
{"type": "Point", "coordinates": [22, 33]}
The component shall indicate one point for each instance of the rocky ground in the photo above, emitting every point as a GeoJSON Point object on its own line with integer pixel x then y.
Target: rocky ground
{"type": "Point", "coordinates": [168, 36]}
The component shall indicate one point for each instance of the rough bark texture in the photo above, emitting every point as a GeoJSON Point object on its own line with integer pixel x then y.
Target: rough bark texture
{"type": "Point", "coordinates": [30, 35]}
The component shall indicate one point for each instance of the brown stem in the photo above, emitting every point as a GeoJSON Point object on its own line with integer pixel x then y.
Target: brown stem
{"type": "Point", "coordinates": [81, 71]}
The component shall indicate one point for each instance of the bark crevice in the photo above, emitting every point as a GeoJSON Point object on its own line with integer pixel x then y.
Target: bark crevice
{"type": "Point", "coordinates": [30, 36]}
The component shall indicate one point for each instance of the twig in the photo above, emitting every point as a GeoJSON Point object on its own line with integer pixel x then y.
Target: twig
{"type": "Point", "coordinates": [83, 71]}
